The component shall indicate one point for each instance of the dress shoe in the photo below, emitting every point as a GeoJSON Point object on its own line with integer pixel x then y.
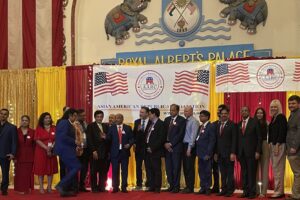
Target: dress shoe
{"type": "Point", "coordinates": [277, 196]}
{"type": "Point", "coordinates": [103, 190]}
{"type": "Point", "coordinates": [175, 190]}
{"type": "Point", "coordinates": [221, 193]}
{"type": "Point", "coordinates": [83, 189]}
{"type": "Point", "coordinates": [187, 191]}
{"type": "Point", "coordinates": [4, 193]}
{"type": "Point", "coordinates": [215, 190]}
{"type": "Point", "coordinates": [208, 192]}
{"type": "Point", "coordinates": [251, 196]}
{"type": "Point", "coordinates": [157, 191]}
{"type": "Point", "coordinates": [64, 193]}
{"type": "Point", "coordinates": [115, 190]}
{"type": "Point", "coordinates": [95, 191]}
{"type": "Point", "coordinates": [201, 191]}
{"type": "Point", "coordinates": [124, 190]}
{"type": "Point", "coordinates": [244, 195]}
{"type": "Point", "coordinates": [150, 190]}
{"type": "Point", "coordinates": [168, 190]}
{"type": "Point", "coordinates": [228, 194]}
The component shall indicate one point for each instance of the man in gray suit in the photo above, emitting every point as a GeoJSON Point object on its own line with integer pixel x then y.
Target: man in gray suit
{"type": "Point", "coordinates": [293, 144]}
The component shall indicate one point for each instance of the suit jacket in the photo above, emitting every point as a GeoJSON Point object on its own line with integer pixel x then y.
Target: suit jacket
{"type": "Point", "coordinates": [293, 133]}
{"type": "Point", "coordinates": [65, 139]}
{"type": "Point", "coordinates": [227, 142]}
{"type": "Point", "coordinates": [205, 141]}
{"type": "Point", "coordinates": [140, 136]}
{"type": "Point", "coordinates": [95, 142]}
{"type": "Point", "coordinates": [278, 130]}
{"type": "Point", "coordinates": [8, 140]}
{"type": "Point", "coordinates": [157, 139]}
{"type": "Point", "coordinates": [214, 128]}
{"type": "Point", "coordinates": [176, 133]}
{"type": "Point", "coordinates": [113, 137]}
{"type": "Point", "coordinates": [251, 141]}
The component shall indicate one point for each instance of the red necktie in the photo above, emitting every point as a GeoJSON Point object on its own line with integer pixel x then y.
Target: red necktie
{"type": "Point", "coordinates": [243, 126]}
{"type": "Point", "coordinates": [120, 134]}
{"type": "Point", "coordinates": [222, 128]}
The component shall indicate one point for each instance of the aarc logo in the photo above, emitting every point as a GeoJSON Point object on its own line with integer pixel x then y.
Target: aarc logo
{"type": "Point", "coordinates": [149, 85]}
{"type": "Point", "coordinates": [270, 75]}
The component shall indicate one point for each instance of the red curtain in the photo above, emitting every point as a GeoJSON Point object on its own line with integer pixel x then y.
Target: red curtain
{"type": "Point", "coordinates": [79, 89]}
{"type": "Point", "coordinates": [253, 100]}
{"type": "Point", "coordinates": [3, 34]}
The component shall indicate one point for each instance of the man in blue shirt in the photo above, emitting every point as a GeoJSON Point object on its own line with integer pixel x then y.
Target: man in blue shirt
{"type": "Point", "coordinates": [189, 154]}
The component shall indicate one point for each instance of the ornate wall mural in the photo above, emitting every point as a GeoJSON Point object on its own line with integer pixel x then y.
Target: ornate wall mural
{"type": "Point", "coordinates": [249, 12]}
{"type": "Point", "coordinates": [124, 17]}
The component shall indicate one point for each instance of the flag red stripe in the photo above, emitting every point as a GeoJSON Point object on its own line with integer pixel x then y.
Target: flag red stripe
{"type": "Point", "coordinates": [111, 88]}
{"type": "Point", "coordinates": [4, 34]}
{"type": "Point", "coordinates": [190, 89]}
{"type": "Point", "coordinates": [188, 92]}
{"type": "Point", "coordinates": [29, 33]}
{"type": "Point", "coordinates": [109, 91]}
{"type": "Point", "coordinates": [190, 85]}
{"type": "Point", "coordinates": [57, 33]}
{"type": "Point", "coordinates": [185, 72]}
{"type": "Point", "coordinates": [110, 85]}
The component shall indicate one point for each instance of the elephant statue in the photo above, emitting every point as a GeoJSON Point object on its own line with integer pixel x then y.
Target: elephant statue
{"type": "Point", "coordinates": [249, 12]}
{"type": "Point", "coordinates": [124, 17]}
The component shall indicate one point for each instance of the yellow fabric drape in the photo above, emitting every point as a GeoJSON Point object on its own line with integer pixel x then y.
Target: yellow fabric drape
{"type": "Point", "coordinates": [18, 95]}
{"type": "Point", "coordinates": [51, 94]}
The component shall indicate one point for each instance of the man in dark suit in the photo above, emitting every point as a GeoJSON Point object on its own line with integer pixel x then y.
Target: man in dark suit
{"type": "Point", "coordinates": [121, 137]}
{"type": "Point", "coordinates": [226, 152]}
{"type": "Point", "coordinates": [205, 143]}
{"type": "Point", "coordinates": [155, 139]}
{"type": "Point", "coordinates": [249, 150]}
{"type": "Point", "coordinates": [139, 132]}
{"type": "Point", "coordinates": [66, 147]}
{"type": "Point", "coordinates": [215, 165]}
{"type": "Point", "coordinates": [111, 120]}
{"type": "Point", "coordinates": [174, 132]}
{"type": "Point", "coordinates": [8, 147]}
{"type": "Point", "coordinates": [293, 144]}
{"type": "Point", "coordinates": [97, 145]}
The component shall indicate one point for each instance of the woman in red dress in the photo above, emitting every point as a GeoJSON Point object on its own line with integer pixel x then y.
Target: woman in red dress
{"type": "Point", "coordinates": [45, 162]}
{"type": "Point", "coordinates": [23, 180]}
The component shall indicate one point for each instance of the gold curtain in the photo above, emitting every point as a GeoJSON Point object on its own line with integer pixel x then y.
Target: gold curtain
{"type": "Point", "coordinates": [18, 95]}
{"type": "Point", "coordinates": [51, 93]}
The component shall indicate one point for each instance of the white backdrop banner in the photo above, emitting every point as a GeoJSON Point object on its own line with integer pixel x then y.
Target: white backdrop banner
{"type": "Point", "coordinates": [125, 89]}
{"type": "Point", "coordinates": [258, 75]}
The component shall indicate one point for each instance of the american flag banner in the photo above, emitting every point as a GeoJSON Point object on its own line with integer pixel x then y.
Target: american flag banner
{"type": "Point", "coordinates": [125, 89]}
{"type": "Point", "coordinates": [188, 82]}
{"type": "Point", "coordinates": [297, 72]}
{"type": "Point", "coordinates": [235, 74]}
{"type": "Point", "coordinates": [113, 83]}
{"type": "Point", "coordinates": [271, 75]}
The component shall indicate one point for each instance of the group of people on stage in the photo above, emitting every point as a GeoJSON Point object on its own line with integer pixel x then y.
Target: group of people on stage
{"type": "Point", "coordinates": [253, 142]}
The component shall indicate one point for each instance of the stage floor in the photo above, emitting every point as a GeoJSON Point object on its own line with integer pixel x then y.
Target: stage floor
{"type": "Point", "coordinates": [132, 195]}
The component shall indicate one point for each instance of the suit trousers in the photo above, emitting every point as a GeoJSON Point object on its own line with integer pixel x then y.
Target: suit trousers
{"type": "Point", "coordinates": [173, 169]}
{"type": "Point", "coordinates": [189, 168]}
{"type": "Point", "coordinates": [154, 171]}
{"type": "Point", "coordinates": [227, 174]}
{"type": "Point", "coordinates": [205, 174]}
{"type": "Point", "coordinates": [295, 165]}
{"type": "Point", "coordinates": [278, 166]}
{"type": "Point", "coordinates": [5, 164]}
{"type": "Point", "coordinates": [99, 167]}
{"type": "Point", "coordinates": [139, 159]}
{"type": "Point", "coordinates": [116, 162]}
{"type": "Point", "coordinates": [84, 160]}
{"type": "Point", "coordinates": [263, 168]}
{"type": "Point", "coordinates": [248, 167]}
{"type": "Point", "coordinates": [73, 166]}
{"type": "Point", "coordinates": [215, 169]}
